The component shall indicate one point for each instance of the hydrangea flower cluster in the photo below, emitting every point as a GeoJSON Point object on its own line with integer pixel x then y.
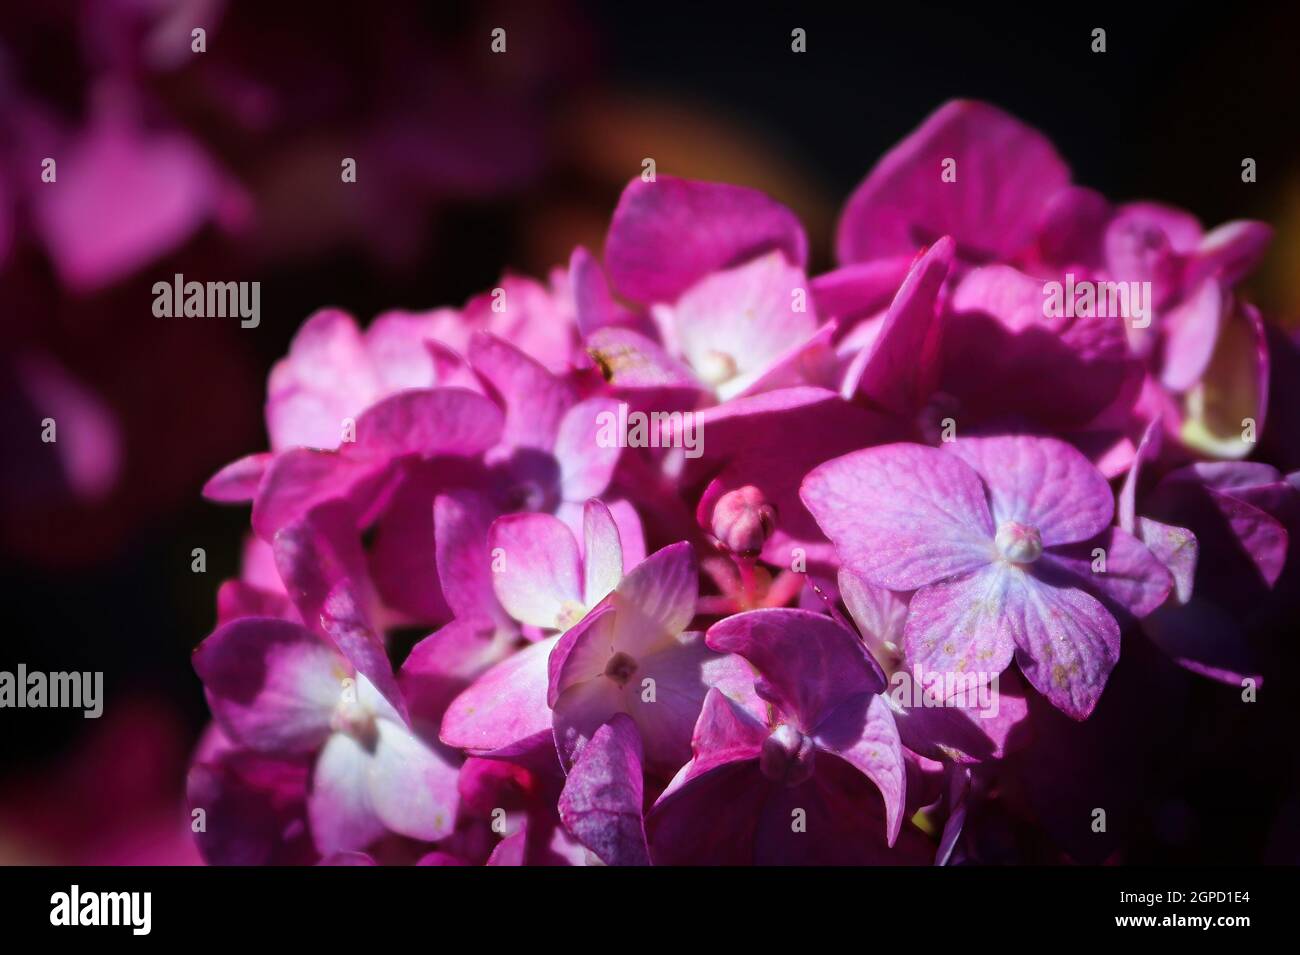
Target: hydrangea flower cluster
{"type": "Point", "coordinates": [688, 556]}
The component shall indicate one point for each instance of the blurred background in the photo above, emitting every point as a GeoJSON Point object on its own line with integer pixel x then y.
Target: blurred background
{"type": "Point", "coordinates": [224, 165]}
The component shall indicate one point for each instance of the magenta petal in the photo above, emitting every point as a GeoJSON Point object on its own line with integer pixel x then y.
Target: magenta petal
{"type": "Point", "coordinates": [667, 234]}
{"type": "Point", "coordinates": [237, 482]}
{"type": "Point", "coordinates": [272, 685]}
{"type": "Point", "coordinates": [504, 709]}
{"type": "Point", "coordinates": [534, 399]}
{"type": "Point", "coordinates": [878, 613]}
{"type": "Point", "coordinates": [1191, 331]}
{"type": "Point", "coordinates": [601, 803]}
{"type": "Point", "coordinates": [1042, 482]}
{"type": "Point", "coordinates": [855, 291]}
{"type": "Point", "coordinates": [586, 464]}
{"type": "Point", "coordinates": [899, 370]}
{"type": "Point", "coordinates": [1231, 251]}
{"type": "Point", "coordinates": [326, 378]}
{"type": "Point", "coordinates": [1005, 174]}
{"type": "Point", "coordinates": [861, 731]}
{"type": "Point", "coordinates": [427, 422]}
{"type": "Point", "coordinates": [1067, 643]}
{"type": "Point", "coordinates": [965, 625]}
{"type": "Point", "coordinates": [461, 521]}
{"type": "Point", "coordinates": [807, 663]}
{"type": "Point", "coordinates": [685, 826]}
{"type": "Point", "coordinates": [536, 570]}
{"type": "Point", "coordinates": [928, 519]}
{"type": "Point", "coordinates": [444, 664]}
{"type": "Point", "coordinates": [298, 480]}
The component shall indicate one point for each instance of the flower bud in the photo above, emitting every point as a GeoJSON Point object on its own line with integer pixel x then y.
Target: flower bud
{"type": "Point", "coordinates": [743, 520]}
{"type": "Point", "coordinates": [787, 756]}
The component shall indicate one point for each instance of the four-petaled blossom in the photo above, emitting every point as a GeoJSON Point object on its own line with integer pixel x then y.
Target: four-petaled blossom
{"type": "Point", "coordinates": [999, 537]}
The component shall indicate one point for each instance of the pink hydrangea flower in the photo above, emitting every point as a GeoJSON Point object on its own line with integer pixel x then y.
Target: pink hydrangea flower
{"type": "Point", "coordinates": [996, 536]}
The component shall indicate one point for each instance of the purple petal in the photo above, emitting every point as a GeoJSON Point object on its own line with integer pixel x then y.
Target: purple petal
{"type": "Point", "coordinates": [965, 625]}
{"type": "Point", "coordinates": [1041, 482]}
{"type": "Point", "coordinates": [1066, 643]}
{"type": "Point", "coordinates": [1134, 579]}
{"type": "Point", "coordinates": [272, 685]}
{"type": "Point", "coordinates": [601, 803]}
{"type": "Point", "coordinates": [534, 399]}
{"type": "Point", "coordinates": [862, 732]}
{"type": "Point", "coordinates": [807, 663]}
{"type": "Point", "coordinates": [928, 519]}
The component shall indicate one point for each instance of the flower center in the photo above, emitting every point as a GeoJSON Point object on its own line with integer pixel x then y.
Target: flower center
{"type": "Point", "coordinates": [620, 668]}
{"type": "Point", "coordinates": [1019, 543]}
{"type": "Point", "coordinates": [716, 367]}
{"type": "Point", "coordinates": [356, 720]}
{"type": "Point", "coordinates": [787, 756]}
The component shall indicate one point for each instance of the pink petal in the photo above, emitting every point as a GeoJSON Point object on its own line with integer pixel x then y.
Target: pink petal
{"type": "Point", "coordinates": [734, 324]}
{"type": "Point", "coordinates": [586, 467]}
{"type": "Point", "coordinates": [601, 803]}
{"type": "Point", "coordinates": [237, 482]}
{"type": "Point", "coordinates": [339, 806]}
{"type": "Point", "coordinates": [668, 234]}
{"type": "Point", "coordinates": [461, 521]}
{"type": "Point", "coordinates": [534, 399]}
{"type": "Point", "coordinates": [602, 560]}
{"type": "Point", "coordinates": [536, 569]}
{"type": "Point", "coordinates": [582, 653]}
{"type": "Point", "coordinates": [928, 519]}
{"type": "Point", "coordinates": [412, 789]}
{"type": "Point", "coordinates": [656, 600]}
{"type": "Point", "coordinates": [429, 423]}
{"type": "Point", "coordinates": [505, 709]}
{"type": "Point", "coordinates": [326, 378]}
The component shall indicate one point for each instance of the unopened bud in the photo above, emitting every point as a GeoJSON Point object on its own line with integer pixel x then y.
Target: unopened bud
{"type": "Point", "coordinates": [787, 756]}
{"type": "Point", "coordinates": [743, 520]}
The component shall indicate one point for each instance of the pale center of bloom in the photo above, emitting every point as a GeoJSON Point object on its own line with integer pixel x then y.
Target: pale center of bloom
{"type": "Point", "coordinates": [787, 756]}
{"type": "Point", "coordinates": [571, 612]}
{"type": "Point", "coordinates": [620, 668]}
{"type": "Point", "coordinates": [716, 367]}
{"type": "Point", "coordinates": [1018, 543]}
{"type": "Point", "coordinates": [355, 719]}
